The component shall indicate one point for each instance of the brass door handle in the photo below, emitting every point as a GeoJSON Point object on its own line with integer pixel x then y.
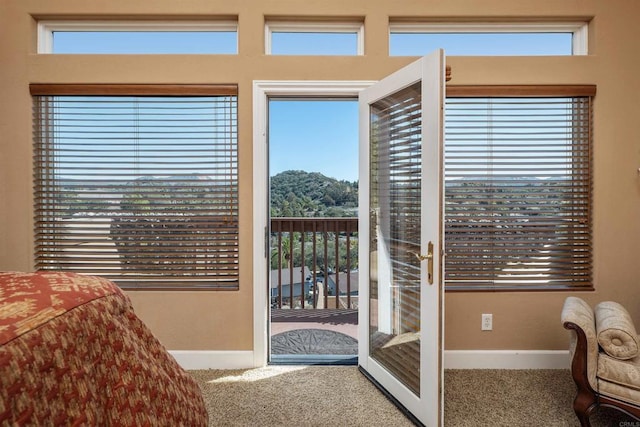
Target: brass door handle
{"type": "Point", "coordinates": [421, 257]}
{"type": "Point", "coordinates": [429, 258]}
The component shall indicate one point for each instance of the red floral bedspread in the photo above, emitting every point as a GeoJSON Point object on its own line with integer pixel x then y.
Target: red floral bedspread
{"type": "Point", "coordinates": [72, 352]}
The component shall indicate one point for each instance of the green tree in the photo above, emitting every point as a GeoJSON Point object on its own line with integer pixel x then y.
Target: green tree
{"type": "Point", "coordinates": [311, 194]}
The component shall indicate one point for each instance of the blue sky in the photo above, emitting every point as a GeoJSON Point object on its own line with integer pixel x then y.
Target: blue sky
{"type": "Point", "coordinates": [490, 44]}
{"type": "Point", "coordinates": [309, 44]}
{"type": "Point", "coordinates": [152, 42]}
{"type": "Point", "coordinates": [315, 136]}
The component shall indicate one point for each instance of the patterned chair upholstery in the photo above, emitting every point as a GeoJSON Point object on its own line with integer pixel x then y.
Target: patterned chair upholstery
{"type": "Point", "coordinates": [605, 357]}
{"type": "Point", "coordinates": [72, 352]}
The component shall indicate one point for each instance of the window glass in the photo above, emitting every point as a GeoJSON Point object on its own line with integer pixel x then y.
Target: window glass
{"type": "Point", "coordinates": [314, 43]}
{"type": "Point", "coordinates": [141, 42]}
{"type": "Point", "coordinates": [481, 43]}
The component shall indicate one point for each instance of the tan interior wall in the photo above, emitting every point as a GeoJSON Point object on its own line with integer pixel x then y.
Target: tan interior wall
{"type": "Point", "coordinates": [223, 320]}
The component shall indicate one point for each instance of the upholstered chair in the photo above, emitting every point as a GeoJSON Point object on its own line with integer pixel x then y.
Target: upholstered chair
{"type": "Point", "coordinates": [605, 357]}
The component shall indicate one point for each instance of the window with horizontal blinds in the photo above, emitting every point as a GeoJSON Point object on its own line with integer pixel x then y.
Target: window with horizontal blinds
{"type": "Point", "coordinates": [141, 189]}
{"type": "Point", "coordinates": [518, 191]}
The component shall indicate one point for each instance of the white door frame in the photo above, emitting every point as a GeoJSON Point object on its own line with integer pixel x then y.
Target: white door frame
{"type": "Point", "coordinates": [262, 90]}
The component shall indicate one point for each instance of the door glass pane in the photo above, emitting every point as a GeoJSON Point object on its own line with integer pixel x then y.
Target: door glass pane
{"type": "Point", "coordinates": [395, 165]}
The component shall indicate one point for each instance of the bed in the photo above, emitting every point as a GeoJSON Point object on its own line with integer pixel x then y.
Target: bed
{"type": "Point", "coordinates": [73, 352]}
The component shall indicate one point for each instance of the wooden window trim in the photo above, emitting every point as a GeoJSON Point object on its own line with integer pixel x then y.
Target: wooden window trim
{"type": "Point", "coordinates": [516, 91]}
{"type": "Point", "coordinates": [53, 89]}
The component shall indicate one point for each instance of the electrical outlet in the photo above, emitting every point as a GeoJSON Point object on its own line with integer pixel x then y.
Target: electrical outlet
{"type": "Point", "coordinates": [487, 322]}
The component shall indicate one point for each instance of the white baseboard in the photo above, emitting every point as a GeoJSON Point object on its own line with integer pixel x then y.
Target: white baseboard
{"type": "Point", "coordinates": [194, 359]}
{"type": "Point", "coordinates": [453, 359]}
{"type": "Point", "coordinates": [506, 359]}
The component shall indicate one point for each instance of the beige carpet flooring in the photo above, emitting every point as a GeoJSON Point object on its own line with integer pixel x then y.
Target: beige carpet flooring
{"type": "Point", "coordinates": [342, 396]}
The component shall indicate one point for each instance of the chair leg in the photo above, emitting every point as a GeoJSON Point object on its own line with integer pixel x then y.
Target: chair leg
{"type": "Point", "coordinates": [583, 405]}
{"type": "Point", "coordinates": [584, 419]}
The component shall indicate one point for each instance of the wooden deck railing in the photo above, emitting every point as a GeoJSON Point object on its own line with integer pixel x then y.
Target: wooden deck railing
{"type": "Point", "coordinates": [314, 263]}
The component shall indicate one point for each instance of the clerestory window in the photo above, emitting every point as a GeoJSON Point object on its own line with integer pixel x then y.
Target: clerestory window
{"type": "Point", "coordinates": [138, 37]}
{"type": "Point", "coordinates": [138, 183]}
{"type": "Point", "coordinates": [314, 38]}
{"type": "Point", "coordinates": [489, 38]}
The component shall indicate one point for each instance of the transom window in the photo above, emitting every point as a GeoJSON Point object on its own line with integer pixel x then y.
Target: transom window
{"type": "Point", "coordinates": [138, 37]}
{"type": "Point", "coordinates": [314, 38]}
{"type": "Point", "coordinates": [488, 39]}
{"type": "Point", "coordinates": [518, 187]}
{"type": "Point", "coordinates": [138, 184]}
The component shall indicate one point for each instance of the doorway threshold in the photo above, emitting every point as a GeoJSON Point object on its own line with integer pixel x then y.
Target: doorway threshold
{"type": "Point", "coordinates": [314, 359]}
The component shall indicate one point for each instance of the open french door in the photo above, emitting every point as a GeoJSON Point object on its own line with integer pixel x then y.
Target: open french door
{"type": "Point", "coordinates": [400, 233]}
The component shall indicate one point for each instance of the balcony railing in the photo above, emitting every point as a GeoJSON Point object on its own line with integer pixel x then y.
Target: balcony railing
{"type": "Point", "coordinates": [314, 263]}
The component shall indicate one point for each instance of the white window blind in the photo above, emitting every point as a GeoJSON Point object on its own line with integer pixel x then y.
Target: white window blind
{"type": "Point", "coordinates": [138, 184]}
{"type": "Point", "coordinates": [518, 189]}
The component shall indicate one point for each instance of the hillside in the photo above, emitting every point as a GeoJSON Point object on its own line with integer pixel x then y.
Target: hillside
{"type": "Point", "coordinates": [309, 194]}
